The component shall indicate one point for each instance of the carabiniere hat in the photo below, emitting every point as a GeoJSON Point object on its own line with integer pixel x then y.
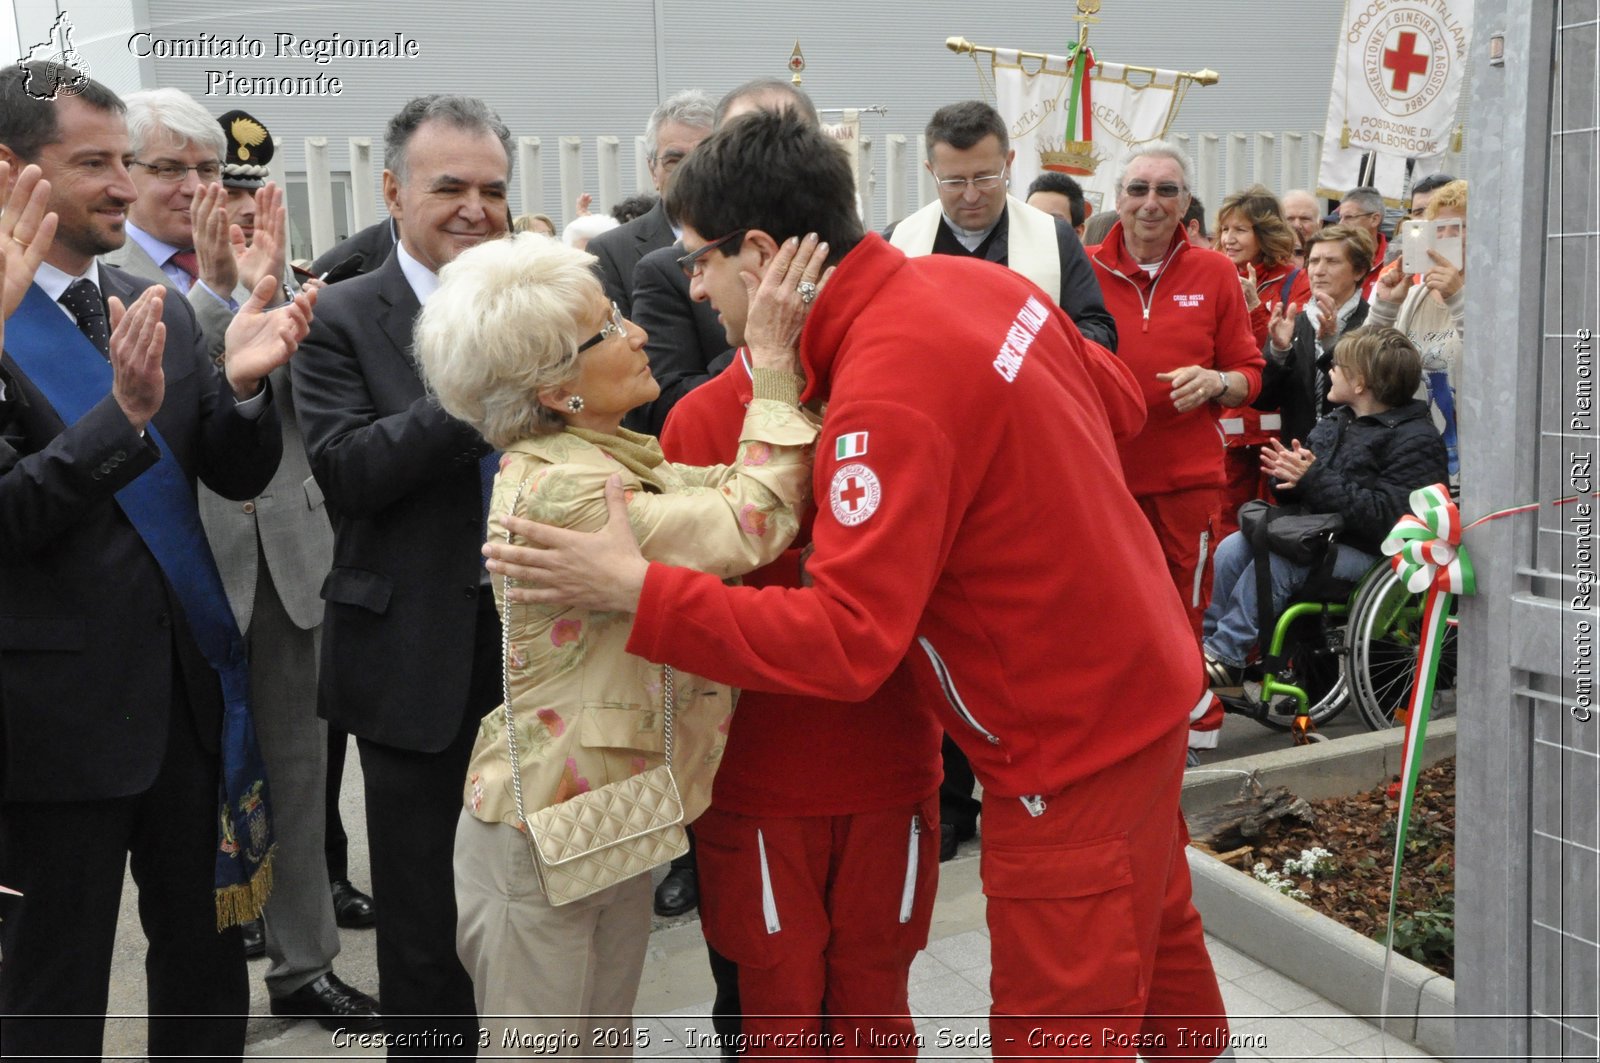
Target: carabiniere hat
{"type": "Point", "coordinates": [244, 164]}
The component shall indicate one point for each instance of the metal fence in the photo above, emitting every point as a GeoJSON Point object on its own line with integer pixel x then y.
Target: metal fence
{"type": "Point", "coordinates": [327, 204]}
{"type": "Point", "coordinates": [1528, 780]}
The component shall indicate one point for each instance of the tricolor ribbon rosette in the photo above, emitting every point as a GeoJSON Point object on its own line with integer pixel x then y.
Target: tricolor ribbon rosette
{"type": "Point", "coordinates": [1425, 547]}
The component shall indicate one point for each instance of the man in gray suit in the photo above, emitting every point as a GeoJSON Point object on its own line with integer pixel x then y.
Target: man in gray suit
{"type": "Point", "coordinates": [178, 232]}
{"type": "Point", "coordinates": [675, 127]}
{"type": "Point", "coordinates": [274, 551]}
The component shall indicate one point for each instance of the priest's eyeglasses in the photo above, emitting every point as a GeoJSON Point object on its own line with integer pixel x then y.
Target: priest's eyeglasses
{"type": "Point", "coordinates": [984, 182]}
{"type": "Point", "coordinates": [173, 172]}
{"type": "Point", "coordinates": [617, 326]}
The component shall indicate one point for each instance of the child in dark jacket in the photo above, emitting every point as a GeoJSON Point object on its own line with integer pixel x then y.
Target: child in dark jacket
{"type": "Point", "coordinates": [1362, 460]}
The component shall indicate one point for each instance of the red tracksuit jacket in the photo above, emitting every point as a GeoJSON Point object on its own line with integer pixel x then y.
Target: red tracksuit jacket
{"type": "Point", "coordinates": [971, 510]}
{"type": "Point", "coordinates": [798, 756]}
{"type": "Point", "coordinates": [1190, 313]}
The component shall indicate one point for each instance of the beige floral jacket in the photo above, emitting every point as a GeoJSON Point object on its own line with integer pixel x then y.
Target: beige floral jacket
{"type": "Point", "coordinates": [587, 712]}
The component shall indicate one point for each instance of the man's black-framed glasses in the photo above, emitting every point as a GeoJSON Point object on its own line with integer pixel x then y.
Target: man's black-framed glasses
{"type": "Point", "coordinates": [691, 263]}
{"type": "Point", "coordinates": [1166, 189]}
{"type": "Point", "coordinates": [617, 326]}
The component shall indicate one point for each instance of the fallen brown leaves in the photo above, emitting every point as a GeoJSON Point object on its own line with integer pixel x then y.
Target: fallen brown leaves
{"type": "Point", "coordinates": [1359, 831]}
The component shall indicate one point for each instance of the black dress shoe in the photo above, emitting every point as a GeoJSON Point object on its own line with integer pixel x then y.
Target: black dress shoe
{"type": "Point", "coordinates": [255, 939]}
{"type": "Point", "coordinates": [332, 1003]}
{"type": "Point", "coordinates": [678, 893]}
{"type": "Point", "coordinates": [351, 907]}
{"type": "Point", "coordinates": [951, 835]}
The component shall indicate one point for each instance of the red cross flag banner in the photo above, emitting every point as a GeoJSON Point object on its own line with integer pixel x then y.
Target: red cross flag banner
{"type": "Point", "coordinates": [1396, 85]}
{"type": "Point", "coordinates": [1078, 115]}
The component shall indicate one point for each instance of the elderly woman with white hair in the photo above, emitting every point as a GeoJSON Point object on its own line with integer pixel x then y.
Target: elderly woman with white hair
{"type": "Point", "coordinates": [520, 341]}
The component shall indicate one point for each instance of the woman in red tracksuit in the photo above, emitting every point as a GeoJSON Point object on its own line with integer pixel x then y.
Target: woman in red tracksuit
{"type": "Point", "coordinates": [1252, 233]}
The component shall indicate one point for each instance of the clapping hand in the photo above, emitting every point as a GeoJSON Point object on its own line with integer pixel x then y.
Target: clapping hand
{"type": "Point", "coordinates": [1280, 328]}
{"type": "Point", "coordinates": [259, 340]}
{"type": "Point", "coordinates": [26, 231]}
{"type": "Point", "coordinates": [208, 213]}
{"type": "Point", "coordinates": [265, 255]}
{"type": "Point", "coordinates": [138, 340]}
{"type": "Point", "coordinates": [1327, 315]}
{"type": "Point", "coordinates": [1247, 281]}
{"type": "Point", "coordinates": [1285, 464]}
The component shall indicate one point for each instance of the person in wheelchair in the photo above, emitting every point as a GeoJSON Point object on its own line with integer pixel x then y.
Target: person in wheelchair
{"type": "Point", "coordinates": [1363, 461]}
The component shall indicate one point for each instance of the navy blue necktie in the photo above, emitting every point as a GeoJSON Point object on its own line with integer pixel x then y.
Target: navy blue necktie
{"type": "Point", "coordinates": [82, 297]}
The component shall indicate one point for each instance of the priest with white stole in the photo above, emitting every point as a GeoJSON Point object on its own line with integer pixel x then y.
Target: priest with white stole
{"type": "Point", "coordinates": [969, 155]}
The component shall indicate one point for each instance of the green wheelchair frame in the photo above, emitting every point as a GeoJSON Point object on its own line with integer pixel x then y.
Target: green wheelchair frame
{"type": "Point", "coordinates": [1376, 659]}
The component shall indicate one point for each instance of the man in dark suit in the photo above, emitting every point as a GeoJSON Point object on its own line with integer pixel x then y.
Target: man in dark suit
{"type": "Point", "coordinates": [687, 344]}
{"type": "Point", "coordinates": [675, 127]}
{"type": "Point", "coordinates": [273, 551]}
{"type": "Point", "coordinates": [112, 716]}
{"type": "Point", "coordinates": [410, 637]}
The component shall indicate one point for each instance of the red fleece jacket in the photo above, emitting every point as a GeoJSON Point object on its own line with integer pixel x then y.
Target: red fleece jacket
{"type": "Point", "coordinates": [1190, 313]}
{"type": "Point", "coordinates": [971, 510]}
{"type": "Point", "coordinates": [798, 756]}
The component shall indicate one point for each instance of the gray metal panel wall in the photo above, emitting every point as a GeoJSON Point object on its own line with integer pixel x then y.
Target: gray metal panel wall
{"type": "Point", "coordinates": [1528, 967]}
{"type": "Point", "coordinates": [563, 69]}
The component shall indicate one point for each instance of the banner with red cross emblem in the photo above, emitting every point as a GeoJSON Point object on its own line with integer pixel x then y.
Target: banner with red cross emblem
{"type": "Point", "coordinates": [1397, 83]}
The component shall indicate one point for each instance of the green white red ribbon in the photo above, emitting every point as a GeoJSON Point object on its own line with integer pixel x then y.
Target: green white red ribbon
{"type": "Point", "coordinates": [1080, 61]}
{"type": "Point", "coordinates": [1425, 548]}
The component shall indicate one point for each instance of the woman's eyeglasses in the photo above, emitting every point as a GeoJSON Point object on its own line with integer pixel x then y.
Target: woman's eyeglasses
{"type": "Point", "coordinates": [617, 326]}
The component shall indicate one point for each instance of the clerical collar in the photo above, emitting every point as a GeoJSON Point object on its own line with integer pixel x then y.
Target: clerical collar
{"type": "Point", "coordinates": [971, 239]}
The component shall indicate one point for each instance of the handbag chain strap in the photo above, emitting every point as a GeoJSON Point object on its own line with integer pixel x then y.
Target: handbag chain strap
{"type": "Point", "coordinates": [667, 689]}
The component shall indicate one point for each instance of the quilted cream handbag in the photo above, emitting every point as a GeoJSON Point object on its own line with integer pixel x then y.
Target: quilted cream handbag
{"type": "Point", "coordinates": [599, 838]}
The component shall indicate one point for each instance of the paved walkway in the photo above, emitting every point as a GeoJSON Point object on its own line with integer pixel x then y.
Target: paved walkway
{"type": "Point", "coordinates": [1273, 1017]}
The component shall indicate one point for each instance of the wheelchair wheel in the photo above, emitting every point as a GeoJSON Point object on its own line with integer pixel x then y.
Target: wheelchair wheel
{"type": "Point", "coordinates": [1313, 646]}
{"type": "Point", "coordinates": [1382, 643]}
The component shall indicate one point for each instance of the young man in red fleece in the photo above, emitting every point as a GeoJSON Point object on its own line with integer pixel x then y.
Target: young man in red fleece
{"type": "Point", "coordinates": [971, 511]}
{"type": "Point", "coordinates": [1184, 331]}
{"type": "Point", "coordinates": [817, 873]}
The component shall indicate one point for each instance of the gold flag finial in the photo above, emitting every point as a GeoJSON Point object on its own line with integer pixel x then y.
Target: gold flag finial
{"type": "Point", "coordinates": [797, 62]}
{"type": "Point", "coordinates": [1088, 11]}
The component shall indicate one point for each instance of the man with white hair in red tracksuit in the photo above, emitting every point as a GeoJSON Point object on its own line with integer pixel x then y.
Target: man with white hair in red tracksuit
{"type": "Point", "coordinates": [972, 520]}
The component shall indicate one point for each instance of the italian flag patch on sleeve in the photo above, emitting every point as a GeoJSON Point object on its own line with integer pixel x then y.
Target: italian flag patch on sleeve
{"type": "Point", "coordinates": [853, 445]}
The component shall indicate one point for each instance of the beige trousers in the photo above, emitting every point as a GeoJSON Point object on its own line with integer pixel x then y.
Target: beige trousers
{"type": "Point", "coordinates": [549, 982]}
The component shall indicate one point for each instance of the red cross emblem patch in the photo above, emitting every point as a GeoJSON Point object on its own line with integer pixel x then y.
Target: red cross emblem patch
{"type": "Point", "coordinates": [854, 494]}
